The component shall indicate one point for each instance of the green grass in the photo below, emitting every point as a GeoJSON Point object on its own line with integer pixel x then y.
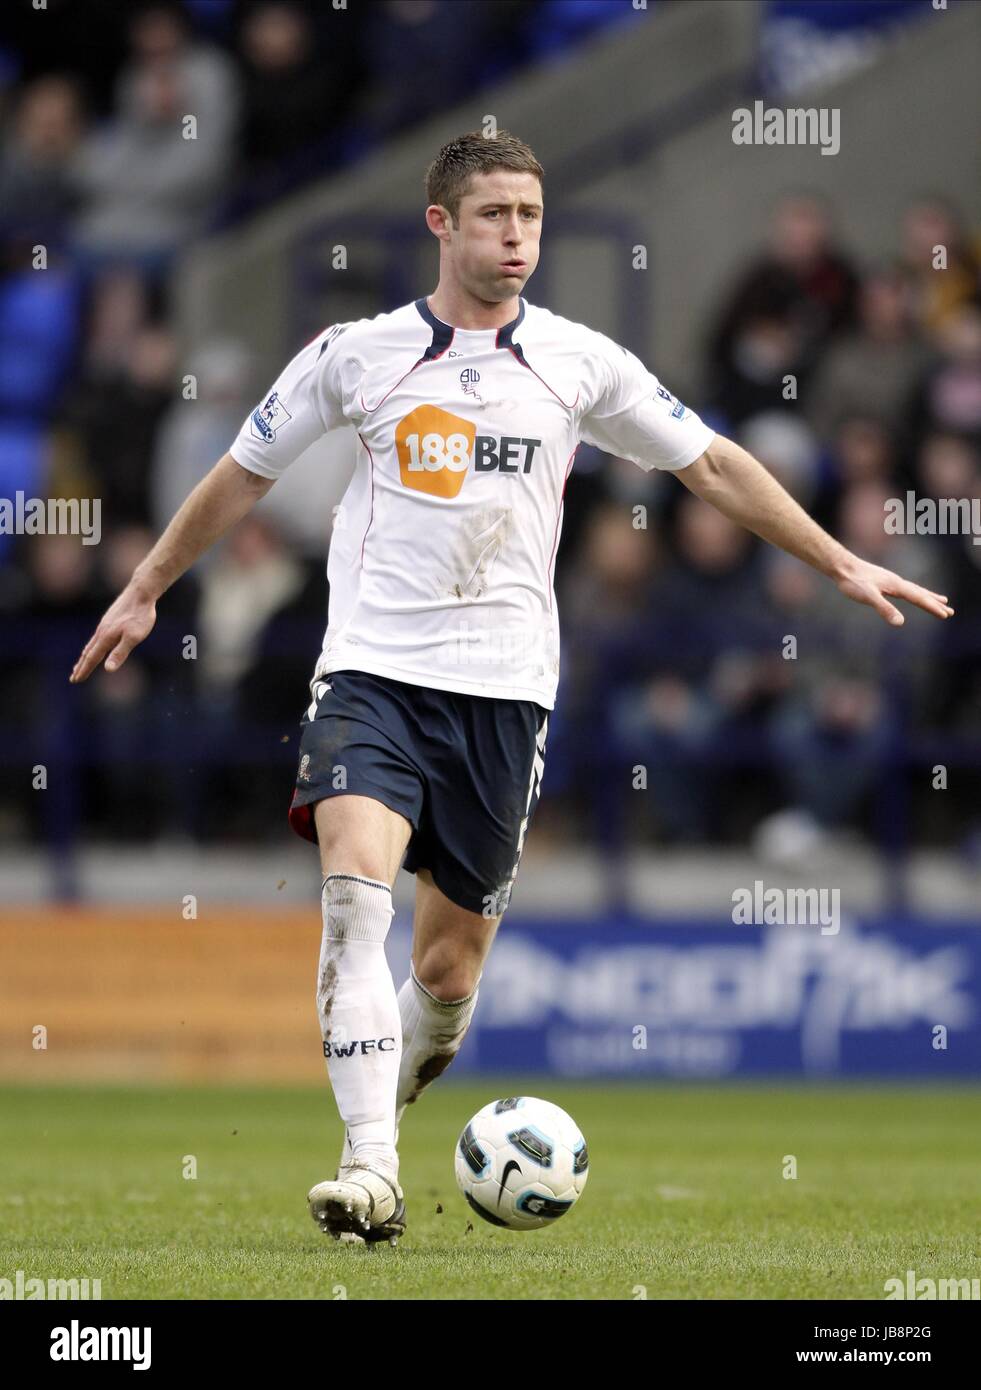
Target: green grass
{"type": "Point", "coordinates": [685, 1196]}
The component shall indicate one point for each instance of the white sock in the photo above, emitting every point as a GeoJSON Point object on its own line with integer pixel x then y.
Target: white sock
{"type": "Point", "coordinates": [359, 1013]}
{"type": "Point", "coordinates": [432, 1033]}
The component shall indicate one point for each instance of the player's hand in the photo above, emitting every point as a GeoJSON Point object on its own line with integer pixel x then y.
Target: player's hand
{"type": "Point", "coordinates": [123, 627]}
{"type": "Point", "coordinates": [874, 585]}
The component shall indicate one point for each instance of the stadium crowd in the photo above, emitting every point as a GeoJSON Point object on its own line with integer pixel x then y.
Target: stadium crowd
{"type": "Point", "coordinates": [759, 702]}
{"type": "Point", "coordinates": [855, 385]}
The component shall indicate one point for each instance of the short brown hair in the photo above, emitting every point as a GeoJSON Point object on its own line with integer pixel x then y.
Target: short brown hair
{"type": "Point", "coordinates": [448, 177]}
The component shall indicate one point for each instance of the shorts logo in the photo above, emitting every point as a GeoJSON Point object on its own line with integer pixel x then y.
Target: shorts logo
{"type": "Point", "coordinates": [268, 418]}
{"type": "Point", "coordinates": [304, 772]}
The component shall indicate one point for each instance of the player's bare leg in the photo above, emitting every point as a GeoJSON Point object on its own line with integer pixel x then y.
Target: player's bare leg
{"type": "Point", "coordinates": [362, 843]}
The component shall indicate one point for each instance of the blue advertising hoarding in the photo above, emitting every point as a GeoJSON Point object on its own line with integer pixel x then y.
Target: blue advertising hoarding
{"type": "Point", "coordinates": [618, 997]}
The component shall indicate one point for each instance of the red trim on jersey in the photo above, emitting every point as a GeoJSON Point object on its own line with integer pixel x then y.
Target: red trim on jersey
{"type": "Point", "coordinates": [371, 510]}
{"type": "Point", "coordinates": [558, 518]}
{"type": "Point", "coordinates": [371, 409]}
{"type": "Point", "coordinates": [531, 369]}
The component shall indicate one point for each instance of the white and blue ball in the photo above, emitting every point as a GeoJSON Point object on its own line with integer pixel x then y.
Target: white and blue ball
{"type": "Point", "coordinates": [521, 1163]}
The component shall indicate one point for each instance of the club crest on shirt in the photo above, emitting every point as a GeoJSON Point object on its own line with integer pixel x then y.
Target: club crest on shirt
{"type": "Point", "coordinates": [268, 418]}
{"type": "Point", "coordinates": [468, 381]}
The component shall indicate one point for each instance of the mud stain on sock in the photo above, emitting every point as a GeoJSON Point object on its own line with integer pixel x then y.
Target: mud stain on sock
{"type": "Point", "coordinates": [328, 988]}
{"type": "Point", "coordinates": [428, 1071]}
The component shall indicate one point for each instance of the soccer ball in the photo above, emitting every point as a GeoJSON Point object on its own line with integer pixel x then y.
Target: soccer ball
{"type": "Point", "coordinates": [521, 1163]}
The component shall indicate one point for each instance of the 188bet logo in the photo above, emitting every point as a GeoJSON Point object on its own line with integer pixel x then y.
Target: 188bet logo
{"type": "Point", "coordinates": [436, 448]}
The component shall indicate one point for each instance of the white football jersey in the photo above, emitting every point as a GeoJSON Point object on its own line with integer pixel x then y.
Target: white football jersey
{"type": "Point", "coordinates": [442, 556]}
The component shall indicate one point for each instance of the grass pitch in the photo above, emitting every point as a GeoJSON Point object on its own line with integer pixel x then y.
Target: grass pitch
{"type": "Point", "coordinates": [686, 1196]}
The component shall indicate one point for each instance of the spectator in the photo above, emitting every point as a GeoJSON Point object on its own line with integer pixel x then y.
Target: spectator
{"type": "Point", "coordinates": [261, 614]}
{"type": "Point", "coordinates": [932, 227]}
{"type": "Point", "coordinates": [152, 178]}
{"type": "Point", "coordinates": [60, 603]}
{"type": "Point", "coordinates": [39, 323]}
{"type": "Point", "coordinates": [195, 432]}
{"type": "Point", "coordinates": [783, 312]}
{"type": "Point", "coordinates": [836, 734]}
{"type": "Point", "coordinates": [872, 371]}
{"type": "Point", "coordinates": [606, 595]}
{"type": "Point", "coordinates": [126, 381]}
{"type": "Point", "coordinates": [253, 577]}
{"type": "Point", "coordinates": [948, 396]}
{"type": "Point", "coordinates": [862, 451]}
{"type": "Point", "coordinates": [38, 178]}
{"type": "Point", "coordinates": [294, 92]}
{"type": "Point", "coordinates": [949, 466]}
{"type": "Point", "coordinates": [138, 726]}
{"type": "Point", "coordinates": [693, 666]}
{"type": "Point", "coordinates": [763, 351]}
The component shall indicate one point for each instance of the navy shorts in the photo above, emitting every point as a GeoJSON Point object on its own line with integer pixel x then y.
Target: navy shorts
{"type": "Point", "coordinates": [465, 770]}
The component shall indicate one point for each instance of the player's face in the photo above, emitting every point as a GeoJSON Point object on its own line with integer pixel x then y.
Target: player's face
{"type": "Point", "coordinates": [494, 249]}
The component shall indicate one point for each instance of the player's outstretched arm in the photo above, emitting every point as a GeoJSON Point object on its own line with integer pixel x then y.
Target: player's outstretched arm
{"type": "Point", "coordinates": [735, 482]}
{"type": "Point", "coordinates": [220, 499]}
